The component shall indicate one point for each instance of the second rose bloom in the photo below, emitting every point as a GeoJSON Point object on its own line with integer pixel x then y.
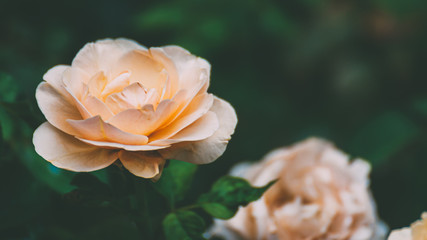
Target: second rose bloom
{"type": "Point", "coordinates": [319, 195]}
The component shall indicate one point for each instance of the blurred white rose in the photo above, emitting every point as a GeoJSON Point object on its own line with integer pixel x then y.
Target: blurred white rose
{"type": "Point", "coordinates": [319, 195]}
{"type": "Point", "coordinates": [417, 231]}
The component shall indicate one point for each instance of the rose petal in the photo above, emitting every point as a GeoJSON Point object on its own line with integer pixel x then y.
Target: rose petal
{"type": "Point", "coordinates": [206, 151]}
{"type": "Point", "coordinates": [142, 164]}
{"type": "Point", "coordinates": [196, 109]}
{"type": "Point", "coordinates": [101, 55]}
{"type": "Point", "coordinates": [193, 72]}
{"type": "Point", "coordinates": [75, 84]}
{"type": "Point", "coordinates": [54, 77]}
{"type": "Point", "coordinates": [132, 96]}
{"type": "Point", "coordinates": [171, 84]}
{"type": "Point", "coordinates": [147, 147]}
{"type": "Point", "coordinates": [80, 107]}
{"type": "Point", "coordinates": [56, 108]}
{"type": "Point", "coordinates": [97, 130]}
{"type": "Point", "coordinates": [143, 69]}
{"type": "Point", "coordinates": [145, 120]}
{"type": "Point", "coordinates": [96, 107]}
{"type": "Point", "coordinates": [96, 84]}
{"type": "Point", "coordinates": [65, 151]}
{"type": "Point", "coordinates": [202, 128]}
{"type": "Point", "coordinates": [116, 85]}
{"type": "Point", "coordinates": [188, 66]}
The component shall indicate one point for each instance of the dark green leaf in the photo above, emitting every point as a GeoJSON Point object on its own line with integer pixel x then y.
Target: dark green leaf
{"type": "Point", "coordinates": [55, 178]}
{"type": "Point", "coordinates": [227, 194]}
{"type": "Point", "coordinates": [175, 180]}
{"type": "Point", "coordinates": [218, 210]}
{"type": "Point", "coordinates": [183, 225]}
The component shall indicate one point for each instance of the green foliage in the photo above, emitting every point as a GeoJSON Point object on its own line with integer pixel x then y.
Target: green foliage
{"type": "Point", "coordinates": [175, 180]}
{"type": "Point", "coordinates": [8, 88]}
{"type": "Point", "coordinates": [183, 225]}
{"type": "Point", "coordinates": [8, 92]}
{"type": "Point", "coordinates": [227, 194]}
{"type": "Point", "coordinates": [90, 190]}
{"type": "Point", "coordinates": [383, 137]}
{"type": "Point", "coordinates": [53, 177]}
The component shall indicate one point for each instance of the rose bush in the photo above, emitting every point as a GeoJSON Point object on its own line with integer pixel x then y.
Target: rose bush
{"type": "Point", "coordinates": [318, 195]}
{"type": "Point", "coordinates": [417, 231]}
{"type": "Point", "coordinates": [121, 100]}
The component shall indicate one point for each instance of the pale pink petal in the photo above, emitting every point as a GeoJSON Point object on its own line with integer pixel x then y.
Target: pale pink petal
{"type": "Point", "coordinates": [96, 107]}
{"type": "Point", "coordinates": [75, 83]}
{"type": "Point", "coordinates": [143, 69]}
{"type": "Point", "coordinates": [132, 96]}
{"type": "Point", "coordinates": [96, 84]}
{"type": "Point", "coordinates": [54, 77]}
{"type": "Point", "coordinates": [189, 67]}
{"type": "Point", "coordinates": [145, 120]}
{"type": "Point", "coordinates": [117, 84]}
{"type": "Point", "coordinates": [182, 100]}
{"type": "Point", "coordinates": [171, 84]}
{"type": "Point", "coordinates": [142, 164]}
{"type": "Point", "coordinates": [206, 151]}
{"type": "Point", "coordinates": [152, 97]}
{"type": "Point", "coordinates": [101, 55]}
{"type": "Point", "coordinates": [196, 109]}
{"type": "Point", "coordinates": [97, 130]}
{"type": "Point", "coordinates": [65, 151]}
{"type": "Point", "coordinates": [80, 107]}
{"type": "Point", "coordinates": [56, 108]}
{"type": "Point", "coordinates": [202, 128]}
{"type": "Point", "coordinates": [148, 147]}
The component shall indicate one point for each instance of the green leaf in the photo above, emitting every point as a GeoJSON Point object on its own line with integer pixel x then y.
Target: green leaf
{"type": "Point", "coordinates": [183, 225]}
{"type": "Point", "coordinates": [176, 180]}
{"type": "Point", "coordinates": [383, 137]}
{"type": "Point", "coordinates": [227, 194]}
{"type": "Point", "coordinates": [55, 178]}
{"type": "Point", "coordinates": [218, 210]}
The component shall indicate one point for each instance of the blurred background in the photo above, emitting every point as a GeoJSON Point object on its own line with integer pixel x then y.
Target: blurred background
{"type": "Point", "coordinates": [351, 71]}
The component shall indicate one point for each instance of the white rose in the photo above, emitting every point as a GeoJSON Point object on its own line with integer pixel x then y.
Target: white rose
{"type": "Point", "coordinates": [319, 195]}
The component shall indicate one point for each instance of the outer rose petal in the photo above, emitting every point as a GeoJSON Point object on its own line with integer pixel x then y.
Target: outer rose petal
{"type": "Point", "coordinates": [96, 129]}
{"type": "Point", "coordinates": [401, 234]}
{"type": "Point", "coordinates": [132, 148]}
{"type": "Point", "coordinates": [54, 77]}
{"type": "Point", "coordinates": [186, 65]}
{"type": "Point", "coordinates": [202, 128]}
{"type": "Point", "coordinates": [206, 151]}
{"type": "Point", "coordinates": [194, 111]}
{"type": "Point", "coordinates": [56, 108]}
{"type": "Point", "coordinates": [65, 151]}
{"type": "Point", "coordinates": [101, 55]}
{"type": "Point", "coordinates": [142, 164]}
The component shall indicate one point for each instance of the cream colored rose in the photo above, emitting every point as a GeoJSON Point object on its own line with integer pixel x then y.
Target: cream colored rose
{"type": "Point", "coordinates": [320, 195]}
{"type": "Point", "coordinates": [121, 100]}
{"type": "Point", "coordinates": [417, 231]}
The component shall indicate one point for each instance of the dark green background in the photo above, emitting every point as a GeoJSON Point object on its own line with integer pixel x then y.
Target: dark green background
{"type": "Point", "coordinates": [353, 72]}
